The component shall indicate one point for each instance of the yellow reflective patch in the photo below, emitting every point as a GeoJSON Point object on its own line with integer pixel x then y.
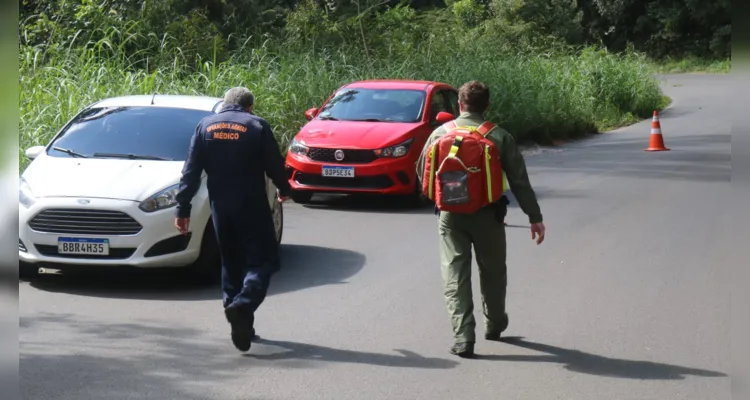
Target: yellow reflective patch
{"type": "Point", "coordinates": [454, 148]}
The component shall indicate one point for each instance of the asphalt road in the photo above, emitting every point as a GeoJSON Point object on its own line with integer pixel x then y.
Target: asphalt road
{"type": "Point", "coordinates": [628, 297]}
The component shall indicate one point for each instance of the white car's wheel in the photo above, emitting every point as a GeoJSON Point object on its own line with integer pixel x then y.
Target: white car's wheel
{"type": "Point", "coordinates": [278, 219]}
{"type": "Point", "coordinates": [208, 264]}
{"type": "Point", "coordinates": [27, 271]}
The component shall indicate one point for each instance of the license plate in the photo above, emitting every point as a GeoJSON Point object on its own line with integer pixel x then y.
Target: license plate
{"type": "Point", "coordinates": [82, 246]}
{"type": "Point", "coordinates": [339, 172]}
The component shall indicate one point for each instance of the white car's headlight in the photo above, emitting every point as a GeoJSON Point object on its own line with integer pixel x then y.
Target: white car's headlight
{"type": "Point", "coordinates": [161, 200]}
{"type": "Point", "coordinates": [25, 195]}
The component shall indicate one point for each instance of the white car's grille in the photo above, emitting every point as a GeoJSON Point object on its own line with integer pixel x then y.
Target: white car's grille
{"type": "Point", "coordinates": [77, 221]}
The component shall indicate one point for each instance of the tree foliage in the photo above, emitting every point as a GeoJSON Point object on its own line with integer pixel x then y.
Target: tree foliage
{"type": "Point", "coordinates": [211, 30]}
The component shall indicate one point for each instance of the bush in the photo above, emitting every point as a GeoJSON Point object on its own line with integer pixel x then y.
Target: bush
{"type": "Point", "coordinates": [536, 97]}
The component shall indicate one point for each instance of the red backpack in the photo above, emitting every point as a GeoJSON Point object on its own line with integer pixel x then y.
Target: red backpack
{"type": "Point", "coordinates": [462, 172]}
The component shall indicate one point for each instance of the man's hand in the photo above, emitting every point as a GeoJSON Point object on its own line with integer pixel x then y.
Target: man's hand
{"type": "Point", "coordinates": [280, 197]}
{"type": "Point", "coordinates": [182, 225]}
{"type": "Point", "coordinates": [537, 232]}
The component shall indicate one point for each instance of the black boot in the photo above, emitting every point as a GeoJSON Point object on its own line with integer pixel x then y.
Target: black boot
{"type": "Point", "coordinates": [463, 350]}
{"type": "Point", "coordinates": [242, 329]}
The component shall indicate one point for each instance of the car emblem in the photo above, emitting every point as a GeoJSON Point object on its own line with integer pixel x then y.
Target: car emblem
{"type": "Point", "coordinates": [83, 201]}
{"type": "Point", "coordinates": [339, 155]}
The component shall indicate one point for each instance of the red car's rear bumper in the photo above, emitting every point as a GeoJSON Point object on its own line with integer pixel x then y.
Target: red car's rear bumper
{"type": "Point", "coordinates": [381, 176]}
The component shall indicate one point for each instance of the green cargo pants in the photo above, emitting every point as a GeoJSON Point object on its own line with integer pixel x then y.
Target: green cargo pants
{"type": "Point", "coordinates": [487, 234]}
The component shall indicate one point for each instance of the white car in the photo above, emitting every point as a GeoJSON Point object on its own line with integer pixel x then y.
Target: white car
{"type": "Point", "coordinates": [102, 192]}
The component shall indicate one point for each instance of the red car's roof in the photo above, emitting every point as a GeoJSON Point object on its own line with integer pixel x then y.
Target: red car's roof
{"type": "Point", "coordinates": [393, 84]}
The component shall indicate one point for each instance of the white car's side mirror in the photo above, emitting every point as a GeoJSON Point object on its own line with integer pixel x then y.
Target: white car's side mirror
{"type": "Point", "coordinates": [33, 152]}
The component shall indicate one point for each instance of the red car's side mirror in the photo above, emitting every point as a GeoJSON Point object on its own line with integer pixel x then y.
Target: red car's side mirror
{"type": "Point", "coordinates": [444, 117]}
{"type": "Point", "coordinates": [311, 113]}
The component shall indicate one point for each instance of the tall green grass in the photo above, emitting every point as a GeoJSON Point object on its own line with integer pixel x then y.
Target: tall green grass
{"type": "Point", "coordinates": [693, 65]}
{"type": "Point", "coordinates": [539, 97]}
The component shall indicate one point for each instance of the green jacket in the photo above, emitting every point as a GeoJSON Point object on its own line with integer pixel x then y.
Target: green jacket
{"type": "Point", "coordinates": [510, 158]}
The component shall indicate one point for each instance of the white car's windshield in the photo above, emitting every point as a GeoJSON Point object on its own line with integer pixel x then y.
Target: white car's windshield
{"type": "Point", "coordinates": [153, 133]}
{"type": "Point", "coordinates": [381, 105]}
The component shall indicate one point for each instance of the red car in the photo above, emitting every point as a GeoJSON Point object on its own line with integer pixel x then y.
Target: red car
{"type": "Point", "coordinates": [367, 137]}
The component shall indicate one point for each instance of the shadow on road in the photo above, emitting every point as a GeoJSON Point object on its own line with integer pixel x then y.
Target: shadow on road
{"type": "Point", "coordinates": [378, 204]}
{"type": "Point", "coordinates": [90, 358]}
{"type": "Point", "coordinates": [592, 364]}
{"type": "Point", "coordinates": [302, 351]}
{"type": "Point", "coordinates": [302, 267]}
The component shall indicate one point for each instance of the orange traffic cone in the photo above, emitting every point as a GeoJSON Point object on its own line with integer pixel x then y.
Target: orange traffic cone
{"type": "Point", "coordinates": [657, 141]}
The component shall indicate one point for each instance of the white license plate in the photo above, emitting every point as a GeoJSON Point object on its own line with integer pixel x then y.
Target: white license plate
{"type": "Point", "coordinates": [82, 246]}
{"type": "Point", "coordinates": [339, 172]}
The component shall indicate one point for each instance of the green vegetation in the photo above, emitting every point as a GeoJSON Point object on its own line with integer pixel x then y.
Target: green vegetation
{"type": "Point", "coordinates": [552, 75]}
{"type": "Point", "coordinates": [693, 65]}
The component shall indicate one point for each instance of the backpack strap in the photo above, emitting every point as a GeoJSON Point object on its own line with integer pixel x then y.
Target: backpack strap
{"type": "Point", "coordinates": [485, 128]}
{"type": "Point", "coordinates": [454, 147]}
{"type": "Point", "coordinates": [449, 126]}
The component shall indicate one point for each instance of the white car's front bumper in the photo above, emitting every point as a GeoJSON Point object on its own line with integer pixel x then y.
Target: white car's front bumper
{"type": "Point", "coordinates": [155, 244]}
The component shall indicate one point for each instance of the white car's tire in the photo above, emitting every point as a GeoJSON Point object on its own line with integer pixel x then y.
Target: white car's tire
{"type": "Point", "coordinates": [208, 264]}
{"type": "Point", "coordinates": [27, 271]}
{"type": "Point", "coordinates": [278, 220]}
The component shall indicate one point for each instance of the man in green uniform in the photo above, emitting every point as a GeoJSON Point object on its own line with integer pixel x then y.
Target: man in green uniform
{"type": "Point", "coordinates": [485, 229]}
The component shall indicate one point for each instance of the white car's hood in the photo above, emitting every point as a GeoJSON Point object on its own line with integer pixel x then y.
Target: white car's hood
{"type": "Point", "coordinates": [133, 180]}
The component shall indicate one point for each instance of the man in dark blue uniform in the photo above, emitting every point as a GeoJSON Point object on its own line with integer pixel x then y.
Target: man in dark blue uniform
{"type": "Point", "coordinates": [237, 149]}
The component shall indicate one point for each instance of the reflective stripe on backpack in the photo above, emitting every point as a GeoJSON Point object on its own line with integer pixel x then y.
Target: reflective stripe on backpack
{"type": "Point", "coordinates": [487, 170]}
{"type": "Point", "coordinates": [489, 126]}
{"type": "Point", "coordinates": [431, 182]}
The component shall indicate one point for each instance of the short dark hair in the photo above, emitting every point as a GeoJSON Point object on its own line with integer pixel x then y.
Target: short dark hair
{"type": "Point", "coordinates": [475, 96]}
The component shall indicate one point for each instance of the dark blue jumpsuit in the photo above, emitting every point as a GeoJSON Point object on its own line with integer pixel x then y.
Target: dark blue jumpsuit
{"type": "Point", "coordinates": [238, 150]}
